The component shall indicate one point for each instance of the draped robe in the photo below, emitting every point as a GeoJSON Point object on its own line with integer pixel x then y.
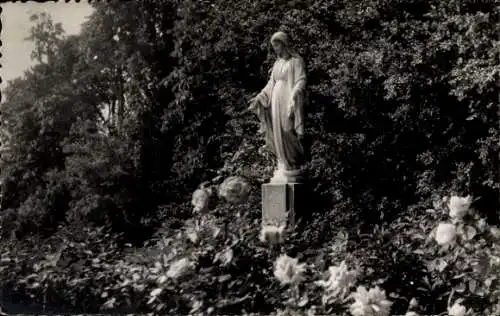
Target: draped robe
{"type": "Point", "coordinates": [281, 112]}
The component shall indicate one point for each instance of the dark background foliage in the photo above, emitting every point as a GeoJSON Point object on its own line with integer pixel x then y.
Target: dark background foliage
{"type": "Point", "coordinates": [403, 108]}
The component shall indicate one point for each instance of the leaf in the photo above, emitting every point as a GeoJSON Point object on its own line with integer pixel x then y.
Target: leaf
{"type": "Point", "coordinates": [151, 300]}
{"type": "Point", "coordinates": [460, 276]}
{"type": "Point", "coordinates": [419, 236]}
{"type": "Point", "coordinates": [426, 281]}
{"type": "Point", "coordinates": [489, 281]}
{"type": "Point", "coordinates": [156, 292]}
{"type": "Point", "coordinates": [224, 278]}
{"type": "Point", "coordinates": [472, 285]}
{"type": "Point", "coordinates": [109, 304]}
{"type": "Point", "coordinates": [162, 279]}
{"type": "Point", "coordinates": [5, 260]}
{"type": "Point", "coordinates": [442, 265]}
{"type": "Point", "coordinates": [303, 302]}
{"type": "Point", "coordinates": [159, 307]}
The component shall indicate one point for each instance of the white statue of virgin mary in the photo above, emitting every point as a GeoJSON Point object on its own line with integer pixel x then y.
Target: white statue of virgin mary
{"type": "Point", "coordinates": [280, 108]}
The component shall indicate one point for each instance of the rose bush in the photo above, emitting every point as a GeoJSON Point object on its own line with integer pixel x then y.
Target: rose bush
{"type": "Point", "coordinates": [400, 269]}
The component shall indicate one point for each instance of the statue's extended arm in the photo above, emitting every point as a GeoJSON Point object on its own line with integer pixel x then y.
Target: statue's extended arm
{"type": "Point", "coordinates": [261, 101]}
{"type": "Point", "coordinates": [297, 98]}
{"type": "Point", "coordinates": [264, 97]}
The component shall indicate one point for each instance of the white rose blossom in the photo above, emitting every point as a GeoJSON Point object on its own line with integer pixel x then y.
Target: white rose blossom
{"type": "Point", "coordinates": [340, 281]}
{"type": "Point", "coordinates": [457, 309]}
{"type": "Point", "coordinates": [234, 190]}
{"type": "Point", "coordinates": [370, 303]}
{"type": "Point", "coordinates": [446, 234]}
{"type": "Point", "coordinates": [459, 206]}
{"type": "Point", "coordinates": [495, 232]}
{"type": "Point", "coordinates": [200, 200]}
{"type": "Point", "coordinates": [288, 270]}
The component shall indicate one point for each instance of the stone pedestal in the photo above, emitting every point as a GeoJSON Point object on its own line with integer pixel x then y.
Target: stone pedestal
{"type": "Point", "coordinates": [281, 203]}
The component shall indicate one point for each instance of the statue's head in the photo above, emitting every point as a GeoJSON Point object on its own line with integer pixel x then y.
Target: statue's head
{"type": "Point", "coordinates": [280, 43]}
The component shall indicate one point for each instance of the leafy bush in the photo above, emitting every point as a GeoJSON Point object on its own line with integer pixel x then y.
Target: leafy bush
{"type": "Point", "coordinates": [216, 264]}
{"type": "Point", "coordinates": [117, 126]}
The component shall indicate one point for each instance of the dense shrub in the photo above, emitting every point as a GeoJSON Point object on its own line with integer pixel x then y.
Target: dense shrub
{"type": "Point", "coordinates": [216, 264]}
{"type": "Point", "coordinates": [116, 127]}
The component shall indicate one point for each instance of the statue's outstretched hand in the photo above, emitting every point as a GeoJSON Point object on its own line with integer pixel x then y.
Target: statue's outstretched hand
{"type": "Point", "coordinates": [253, 104]}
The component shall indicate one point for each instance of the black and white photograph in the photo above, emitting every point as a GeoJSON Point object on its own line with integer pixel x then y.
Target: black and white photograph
{"type": "Point", "coordinates": [250, 157]}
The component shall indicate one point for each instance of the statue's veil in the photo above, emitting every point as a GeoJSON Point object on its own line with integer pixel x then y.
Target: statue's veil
{"type": "Point", "coordinates": [283, 37]}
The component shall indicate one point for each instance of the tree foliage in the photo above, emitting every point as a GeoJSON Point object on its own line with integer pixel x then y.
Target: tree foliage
{"type": "Point", "coordinates": [403, 98]}
{"type": "Point", "coordinates": [118, 125]}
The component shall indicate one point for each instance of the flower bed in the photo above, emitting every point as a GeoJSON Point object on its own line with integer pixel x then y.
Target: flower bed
{"type": "Point", "coordinates": [434, 261]}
